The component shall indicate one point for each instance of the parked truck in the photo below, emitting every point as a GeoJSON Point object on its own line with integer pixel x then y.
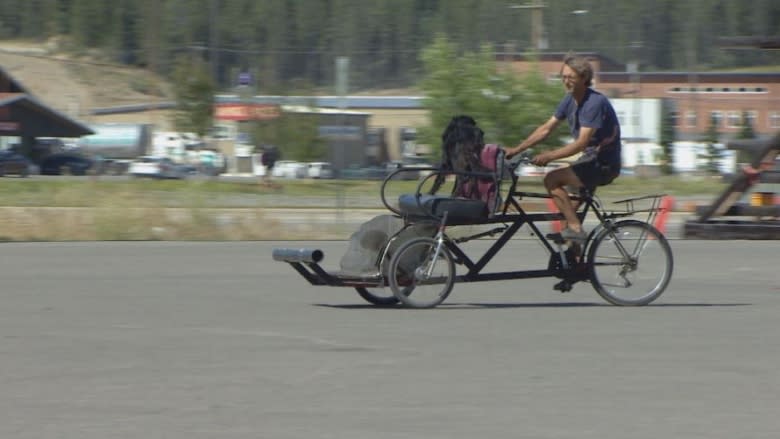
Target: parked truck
{"type": "Point", "coordinates": [115, 145]}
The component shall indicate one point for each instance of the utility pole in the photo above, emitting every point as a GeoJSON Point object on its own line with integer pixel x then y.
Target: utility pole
{"type": "Point", "coordinates": [214, 39]}
{"type": "Point", "coordinates": [538, 42]}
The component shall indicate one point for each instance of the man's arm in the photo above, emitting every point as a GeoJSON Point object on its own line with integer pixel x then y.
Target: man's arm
{"type": "Point", "coordinates": [568, 150]}
{"type": "Point", "coordinates": [539, 134]}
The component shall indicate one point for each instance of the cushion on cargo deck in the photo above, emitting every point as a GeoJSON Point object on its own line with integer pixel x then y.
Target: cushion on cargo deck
{"type": "Point", "coordinates": [459, 210]}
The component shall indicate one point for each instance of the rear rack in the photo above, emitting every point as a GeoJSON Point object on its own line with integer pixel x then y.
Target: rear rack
{"type": "Point", "coordinates": [650, 204]}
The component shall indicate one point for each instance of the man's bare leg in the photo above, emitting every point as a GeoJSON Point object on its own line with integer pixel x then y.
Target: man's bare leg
{"type": "Point", "coordinates": [555, 182]}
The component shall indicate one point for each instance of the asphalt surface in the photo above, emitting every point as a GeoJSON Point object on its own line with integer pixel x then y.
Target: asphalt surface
{"type": "Point", "coordinates": [216, 340]}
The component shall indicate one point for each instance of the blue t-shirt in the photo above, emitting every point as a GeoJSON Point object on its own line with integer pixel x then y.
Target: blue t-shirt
{"type": "Point", "coordinates": [595, 112]}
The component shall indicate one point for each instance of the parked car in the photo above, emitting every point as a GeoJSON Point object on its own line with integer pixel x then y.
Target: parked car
{"type": "Point", "coordinates": [65, 164]}
{"type": "Point", "coordinates": [413, 171]}
{"type": "Point", "coordinates": [12, 163]}
{"type": "Point", "coordinates": [289, 169]}
{"type": "Point", "coordinates": [156, 167]}
{"type": "Point", "coordinates": [320, 170]}
{"type": "Point", "coordinates": [357, 172]}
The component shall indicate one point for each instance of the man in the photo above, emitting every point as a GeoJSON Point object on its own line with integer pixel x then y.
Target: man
{"type": "Point", "coordinates": [596, 133]}
{"type": "Point", "coordinates": [268, 159]}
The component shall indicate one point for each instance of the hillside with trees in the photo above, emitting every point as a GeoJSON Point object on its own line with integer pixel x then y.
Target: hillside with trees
{"type": "Point", "coordinates": [292, 44]}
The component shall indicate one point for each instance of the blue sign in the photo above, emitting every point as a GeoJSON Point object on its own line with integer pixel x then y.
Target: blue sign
{"type": "Point", "coordinates": [244, 78]}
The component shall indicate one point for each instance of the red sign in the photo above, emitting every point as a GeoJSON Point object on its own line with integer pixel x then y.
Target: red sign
{"type": "Point", "coordinates": [246, 111]}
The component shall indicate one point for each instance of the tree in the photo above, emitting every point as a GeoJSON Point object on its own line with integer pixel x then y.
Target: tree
{"type": "Point", "coordinates": [507, 106]}
{"type": "Point", "coordinates": [294, 134]}
{"type": "Point", "coordinates": [713, 153]}
{"type": "Point", "coordinates": [746, 132]}
{"type": "Point", "coordinates": [666, 139]}
{"type": "Point", "coordinates": [194, 90]}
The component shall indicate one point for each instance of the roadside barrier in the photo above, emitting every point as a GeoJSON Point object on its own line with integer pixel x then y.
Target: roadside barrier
{"type": "Point", "coordinates": [555, 226]}
{"type": "Point", "coordinates": [666, 206]}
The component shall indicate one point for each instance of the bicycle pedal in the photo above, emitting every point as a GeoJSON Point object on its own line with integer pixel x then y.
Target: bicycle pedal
{"type": "Point", "coordinates": [563, 286]}
{"type": "Point", "coordinates": [556, 238]}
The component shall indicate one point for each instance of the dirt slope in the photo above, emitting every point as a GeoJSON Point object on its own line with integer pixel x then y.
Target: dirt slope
{"type": "Point", "coordinates": [76, 86]}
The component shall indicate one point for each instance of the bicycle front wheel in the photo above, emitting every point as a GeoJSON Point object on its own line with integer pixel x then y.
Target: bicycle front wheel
{"type": "Point", "coordinates": [420, 275]}
{"type": "Point", "coordinates": [630, 263]}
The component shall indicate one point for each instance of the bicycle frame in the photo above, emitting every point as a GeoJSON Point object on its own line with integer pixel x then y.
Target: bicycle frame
{"type": "Point", "coordinates": [515, 221]}
{"type": "Point", "coordinates": [511, 216]}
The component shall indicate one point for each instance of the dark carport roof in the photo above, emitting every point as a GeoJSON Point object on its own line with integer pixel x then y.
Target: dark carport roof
{"type": "Point", "coordinates": [23, 115]}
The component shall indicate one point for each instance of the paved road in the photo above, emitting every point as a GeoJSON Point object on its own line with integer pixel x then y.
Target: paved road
{"type": "Point", "coordinates": [215, 340]}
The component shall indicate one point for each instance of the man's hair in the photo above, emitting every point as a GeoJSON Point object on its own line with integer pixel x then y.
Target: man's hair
{"type": "Point", "coordinates": [581, 65]}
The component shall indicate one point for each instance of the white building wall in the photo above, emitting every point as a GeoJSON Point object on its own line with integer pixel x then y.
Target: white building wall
{"type": "Point", "coordinates": [639, 118]}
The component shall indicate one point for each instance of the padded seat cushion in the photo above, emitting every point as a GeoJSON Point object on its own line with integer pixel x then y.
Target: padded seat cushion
{"type": "Point", "coordinates": [459, 210]}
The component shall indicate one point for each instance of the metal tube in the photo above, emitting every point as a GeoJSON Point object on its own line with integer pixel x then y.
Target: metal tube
{"type": "Point", "coordinates": [297, 255]}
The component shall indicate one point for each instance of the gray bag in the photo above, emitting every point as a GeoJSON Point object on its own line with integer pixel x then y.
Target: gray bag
{"type": "Point", "coordinates": [366, 245]}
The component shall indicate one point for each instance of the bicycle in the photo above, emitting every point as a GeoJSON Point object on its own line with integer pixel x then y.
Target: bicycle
{"type": "Point", "coordinates": [421, 272]}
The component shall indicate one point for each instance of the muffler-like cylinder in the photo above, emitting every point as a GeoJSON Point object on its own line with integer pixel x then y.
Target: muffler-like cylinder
{"type": "Point", "coordinates": [297, 255]}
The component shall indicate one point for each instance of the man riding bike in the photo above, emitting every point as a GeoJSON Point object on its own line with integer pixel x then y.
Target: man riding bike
{"type": "Point", "coordinates": [596, 132]}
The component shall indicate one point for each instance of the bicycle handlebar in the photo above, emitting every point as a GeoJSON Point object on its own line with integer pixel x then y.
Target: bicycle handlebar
{"type": "Point", "coordinates": [523, 158]}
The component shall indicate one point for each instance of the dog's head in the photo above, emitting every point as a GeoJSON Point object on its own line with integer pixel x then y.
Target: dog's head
{"type": "Point", "coordinates": [462, 142]}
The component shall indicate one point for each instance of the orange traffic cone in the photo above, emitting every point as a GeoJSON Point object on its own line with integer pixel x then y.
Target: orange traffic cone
{"type": "Point", "coordinates": [555, 226]}
{"type": "Point", "coordinates": [666, 205]}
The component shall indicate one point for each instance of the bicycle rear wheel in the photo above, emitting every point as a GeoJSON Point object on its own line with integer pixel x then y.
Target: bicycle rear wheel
{"type": "Point", "coordinates": [377, 295]}
{"type": "Point", "coordinates": [630, 263]}
{"type": "Point", "coordinates": [419, 276]}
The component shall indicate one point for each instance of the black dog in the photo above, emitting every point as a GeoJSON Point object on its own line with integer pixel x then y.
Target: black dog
{"type": "Point", "coordinates": [462, 143]}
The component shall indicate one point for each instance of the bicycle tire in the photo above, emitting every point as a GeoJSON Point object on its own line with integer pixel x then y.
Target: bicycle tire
{"type": "Point", "coordinates": [648, 271]}
{"type": "Point", "coordinates": [408, 274]}
{"type": "Point", "coordinates": [373, 296]}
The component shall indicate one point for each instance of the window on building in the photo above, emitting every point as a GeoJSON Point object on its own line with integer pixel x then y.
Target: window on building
{"type": "Point", "coordinates": [752, 118]}
{"type": "Point", "coordinates": [621, 117]}
{"type": "Point", "coordinates": [774, 119]}
{"type": "Point", "coordinates": [690, 119]}
{"type": "Point", "coordinates": [635, 119]}
{"type": "Point", "coordinates": [716, 117]}
{"type": "Point", "coordinates": [674, 118]}
{"type": "Point", "coordinates": [734, 119]}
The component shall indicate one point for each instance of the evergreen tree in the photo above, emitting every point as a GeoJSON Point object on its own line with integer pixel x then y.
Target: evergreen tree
{"type": "Point", "coordinates": [286, 42]}
{"type": "Point", "coordinates": [713, 153]}
{"type": "Point", "coordinates": [194, 92]}
{"type": "Point", "coordinates": [666, 139]}
{"type": "Point", "coordinates": [746, 132]}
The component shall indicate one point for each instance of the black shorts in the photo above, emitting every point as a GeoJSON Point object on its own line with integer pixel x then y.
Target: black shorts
{"type": "Point", "coordinates": [593, 173]}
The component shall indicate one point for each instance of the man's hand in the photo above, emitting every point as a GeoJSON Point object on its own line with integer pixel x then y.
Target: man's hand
{"type": "Point", "coordinates": [510, 152]}
{"type": "Point", "coordinates": [543, 158]}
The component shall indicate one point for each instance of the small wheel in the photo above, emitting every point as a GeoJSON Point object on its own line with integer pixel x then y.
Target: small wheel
{"type": "Point", "coordinates": [418, 276]}
{"type": "Point", "coordinates": [378, 295]}
{"type": "Point", "coordinates": [630, 263]}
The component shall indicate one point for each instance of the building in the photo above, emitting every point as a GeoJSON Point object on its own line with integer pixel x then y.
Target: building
{"type": "Point", "coordinates": [395, 117]}
{"type": "Point", "coordinates": [695, 97]}
{"type": "Point", "coordinates": [25, 117]}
